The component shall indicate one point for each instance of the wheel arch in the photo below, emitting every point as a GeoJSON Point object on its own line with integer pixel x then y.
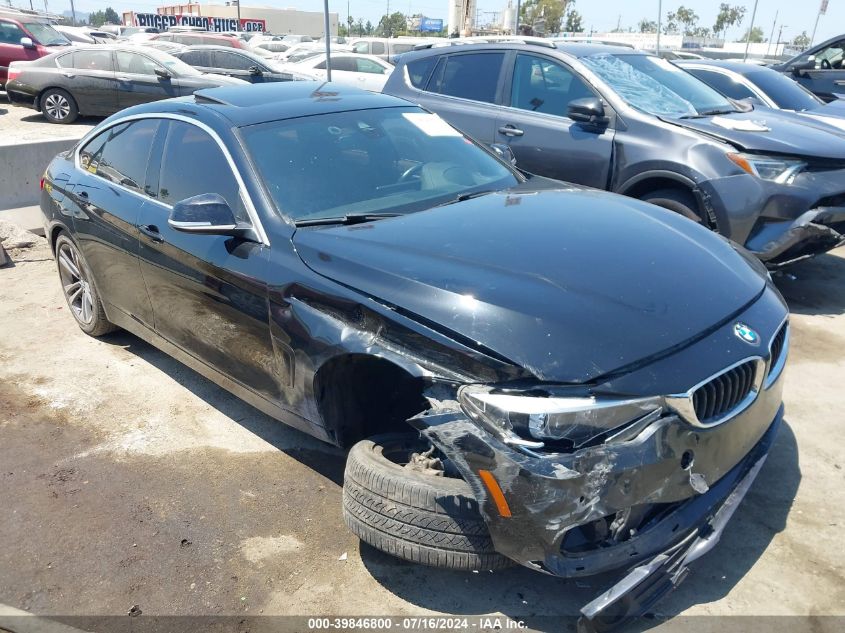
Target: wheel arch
{"type": "Point", "coordinates": [63, 89]}
{"type": "Point", "coordinates": [359, 395]}
{"type": "Point", "coordinates": [647, 182]}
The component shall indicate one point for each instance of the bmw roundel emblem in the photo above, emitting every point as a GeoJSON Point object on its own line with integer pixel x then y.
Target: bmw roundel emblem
{"type": "Point", "coordinates": [745, 333]}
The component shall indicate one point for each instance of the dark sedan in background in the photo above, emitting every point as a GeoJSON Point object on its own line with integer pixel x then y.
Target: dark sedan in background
{"type": "Point", "coordinates": [235, 62]}
{"type": "Point", "coordinates": [820, 69]}
{"type": "Point", "coordinates": [617, 119]}
{"type": "Point", "coordinates": [101, 80]}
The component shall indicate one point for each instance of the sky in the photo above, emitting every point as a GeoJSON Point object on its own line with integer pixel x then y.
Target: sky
{"type": "Point", "coordinates": [599, 16]}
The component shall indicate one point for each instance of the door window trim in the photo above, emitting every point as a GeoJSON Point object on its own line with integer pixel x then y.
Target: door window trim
{"type": "Point", "coordinates": [244, 193]}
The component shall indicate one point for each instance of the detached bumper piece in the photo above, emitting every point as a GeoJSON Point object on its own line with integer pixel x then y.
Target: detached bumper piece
{"type": "Point", "coordinates": [812, 233]}
{"type": "Point", "coordinates": [641, 588]}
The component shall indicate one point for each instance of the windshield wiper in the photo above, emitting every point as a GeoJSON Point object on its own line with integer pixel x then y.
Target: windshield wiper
{"type": "Point", "coordinates": [466, 196]}
{"type": "Point", "coordinates": [711, 112]}
{"type": "Point", "coordinates": [351, 218]}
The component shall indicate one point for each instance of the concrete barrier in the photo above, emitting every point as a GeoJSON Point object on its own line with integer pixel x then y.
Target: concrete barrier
{"type": "Point", "coordinates": [21, 168]}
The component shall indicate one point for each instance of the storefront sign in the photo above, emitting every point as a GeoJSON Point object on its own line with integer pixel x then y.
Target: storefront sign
{"type": "Point", "coordinates": [217, 25]}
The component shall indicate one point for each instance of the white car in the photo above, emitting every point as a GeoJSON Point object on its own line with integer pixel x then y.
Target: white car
{"type": "Point", "coordinates": [364, 71]}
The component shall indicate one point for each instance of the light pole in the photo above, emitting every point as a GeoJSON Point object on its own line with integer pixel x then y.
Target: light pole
{"type": "Point", "coordinates": [328, 40]}
{"type": "Point", "coordinates": [659, 22]}
{"type": "Point", "coordinates": [750, 29]}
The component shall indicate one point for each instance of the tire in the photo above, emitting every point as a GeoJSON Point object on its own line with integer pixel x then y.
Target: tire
{"type": "Point", "coordinates": [677, 200]}
{"type": "Point", "coordinates": [58, 106]}
{"type": "Point", "coordinates": [415, 516]}
{"type": "Point", "coordinates": [79, 291]}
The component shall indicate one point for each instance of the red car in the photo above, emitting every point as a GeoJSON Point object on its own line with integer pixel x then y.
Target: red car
{"type": "Point", "coordinates": [194, 38]}
{"type": "Point", "coordinates": [24, 38]}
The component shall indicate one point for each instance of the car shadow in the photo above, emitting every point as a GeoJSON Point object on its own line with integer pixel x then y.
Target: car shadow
{"type": "Point", "coordinates": [552, 604]}
{"type": "Point", "coordinates": [814, 286]}
{"type": "Point", "coordinates": [323, 458]}
{"type": "Point", "coordinates": [37, 117]}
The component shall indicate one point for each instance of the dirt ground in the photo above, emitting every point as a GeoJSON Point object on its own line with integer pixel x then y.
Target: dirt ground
{"type": "Point", "coordinates": [23, 125]}
{"type": "Point", "coordinates": [128, 479]}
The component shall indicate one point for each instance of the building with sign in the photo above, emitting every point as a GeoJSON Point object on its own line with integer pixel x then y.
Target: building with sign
{"type": "Point", "coordinates": [224, 17]}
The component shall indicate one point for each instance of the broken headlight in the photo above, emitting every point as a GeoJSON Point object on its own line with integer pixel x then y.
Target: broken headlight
{"type": "Point", "coordinates": [574, 419]}
{"type": "Point", "coordinates": [781, 170]}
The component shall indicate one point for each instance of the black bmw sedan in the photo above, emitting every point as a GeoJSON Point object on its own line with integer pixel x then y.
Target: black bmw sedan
{"type": "Point", "coordinates": [100, 80]}
{"type": "Point", "coordinates": [525, 370]}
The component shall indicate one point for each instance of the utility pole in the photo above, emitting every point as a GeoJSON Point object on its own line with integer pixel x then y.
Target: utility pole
{"type": "Point", "coordinates": [750, 28]}
{"type": "Point", "coordinates": [326, 28]}
{"type": "Point", "coordinates": [659, 22]}
{"type": "Point", "coordinates": [772, 35]}
{"type": "Point", "coordinates": [518, 9]}
{"type": "Point", "coordinates": [239, 13]}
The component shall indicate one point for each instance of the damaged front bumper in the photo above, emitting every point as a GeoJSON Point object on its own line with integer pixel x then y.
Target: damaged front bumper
{"type": "Point", "coordinates": [814, 232]}
{"type": "Point", "coordinates": [568, 514]}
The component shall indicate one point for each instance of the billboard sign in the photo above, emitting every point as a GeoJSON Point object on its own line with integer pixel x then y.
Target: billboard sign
{"type": "Point", "coordinates": [215, 25]}
{"type": "Point", "coordinates": [431, 25]}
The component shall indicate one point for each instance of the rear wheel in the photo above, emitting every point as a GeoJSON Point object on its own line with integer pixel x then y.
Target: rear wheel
{"type": "Point", "coordinates": [398, 498]}
{"type": "Point", "coordinates": [80, 294]}
{"type": "Point", "coordinates": [58, 106]}
{"type": "Point", "coordinates": [676, 200]}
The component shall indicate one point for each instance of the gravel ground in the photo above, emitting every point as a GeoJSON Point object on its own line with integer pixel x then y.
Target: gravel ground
{"type": "Point", "coordinates": [23, 125]}
{"type": "Point", "coordinates": [127, 479]}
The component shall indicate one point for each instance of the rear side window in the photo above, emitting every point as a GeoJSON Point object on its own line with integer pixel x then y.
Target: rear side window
{"type": "Point", "coordinates": [378, 48]}
{"type": "Point", "coordinates": [184, 175]}
{"type": "Point", "coordinates": [723, 83]}
{"type": "Point", "coordinates": [10, 33]}
{"type": "Point", "coordinates": [469, 76]}
{"type": "Point", "coordinates": [420, 70]}
{"type": "Point", "coordinates": [92, 60]}
{"type": "Point", "coordinates": [339, 63]}
{"type": "Point", "coordinates": [398, 49]}
{"type": "Point", "coordinates": [368, 66]}
{"type": "Point", "coordinates": [197, 58]}
{"type": "Point", "coordinates": [120, 154]}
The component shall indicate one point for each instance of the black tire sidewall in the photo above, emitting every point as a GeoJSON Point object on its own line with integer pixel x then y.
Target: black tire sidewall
{"type": "Point", "coordinates": [99, 324]}
{"type": "Point", "coordinates": [680, 202]}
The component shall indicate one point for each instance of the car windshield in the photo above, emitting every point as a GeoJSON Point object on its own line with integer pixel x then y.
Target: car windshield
{"type": "Point", "coordinates": [382, 161]}
{"type": "Point", "coordinates": [785, 92]}
{"type": "Point", "coordinates": [656, 86]}
{"type": "Point", "coordinates": [173, 64]}
{"type": "Point", "coordinates": [46, 34]}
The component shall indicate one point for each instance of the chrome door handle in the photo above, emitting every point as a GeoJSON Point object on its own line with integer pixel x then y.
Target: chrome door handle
{"type": "Point", "coordinates": [151, 231]}
{"type": "Point", "coordinates": [69, 75]}
{"type": "Point", "coordinates": [123, 78]}
{"type": "Point", "coordinates": [509, 130]}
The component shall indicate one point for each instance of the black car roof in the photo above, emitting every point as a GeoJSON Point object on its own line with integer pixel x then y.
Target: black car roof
{"type": "Point", "coordinates": [740, 68]}
{"type": "Point", "coordinates": [258, 103]}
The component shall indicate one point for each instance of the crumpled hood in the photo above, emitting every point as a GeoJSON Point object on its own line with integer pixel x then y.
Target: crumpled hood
{"type": "Point", "coordinates": [788, 133]}
{"type": "Point", "coordinates": [568, 284]}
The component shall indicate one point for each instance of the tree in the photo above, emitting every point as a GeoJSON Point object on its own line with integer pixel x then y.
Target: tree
{"type": "Point", "coordinates": [757, 36]}
{"type": "Point", "coordinates": [647, 26]}
{"type": "Point", "coordinates": [109, 16]}
{"type": "Point", "coordinates": [369, 28]}
{"type": "Point", "coordinates": [393, 24]}
{"type": "Point", "coordinates": [682, 17]}
{"type": "Point", "coordinates": [573, 22]}
{"type": "Point", "coordinates": [727, 17]}
{"type": "Point", "coordinates": [549, 11]}
{"type": "Point", "coordinates": [801, 41]}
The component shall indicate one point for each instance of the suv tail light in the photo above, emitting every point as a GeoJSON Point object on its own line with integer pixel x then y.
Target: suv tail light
{"type": "Point", "coordinates": [13, 73]}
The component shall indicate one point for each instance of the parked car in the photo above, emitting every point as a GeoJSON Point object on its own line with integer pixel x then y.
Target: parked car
{"type": "Point", "coordinates": [820, 68]}
{"type": "Point", "coordinates": [26, 39]}
{"type": "Point", "coordinates": [674, 55]}
{"type": "Point", "coordinates": [766, 87]}
{"type": "Point", "coordinates": [127, 32]}
{"type": "Point", "coordinates": [387, 48]}
{"type": "Point", "coordinates": [196, 38]}
{"type": "Point", "coordinates": [570, 379]}
{"type": "Point", "coordinates": [240, 63]}
{"type": "Point", "coordinates": [165, 47]}
{"type": "Point", "coordinates": [633, 123]}
{"type": "Point", "coordinates": [100, 80]}
{"type": "Point", "coordinates": [364, 71]}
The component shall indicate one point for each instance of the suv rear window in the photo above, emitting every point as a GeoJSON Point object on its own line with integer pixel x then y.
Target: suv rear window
{"type": "Point", "coordinates": [469, 76]}
{"type": "Point", "coordinates": [420, 70]}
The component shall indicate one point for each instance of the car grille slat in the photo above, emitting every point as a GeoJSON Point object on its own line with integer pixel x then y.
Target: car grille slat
{"type": "Point", "coordinates": [777, 345]}
{"type": "Point", "coordinates": [723, 393]}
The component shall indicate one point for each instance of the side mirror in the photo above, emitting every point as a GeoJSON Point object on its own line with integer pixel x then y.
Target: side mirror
{"type": "Point", "coordinates": [27, 42]}
{"type": "Point", "coordinates": [162, 73]}
{"type": "Point", "coordinates": [589, 111]}
{"type": "Point", "coordinates": [208, 214]}
{"type": "Point", "coordinates": [802, 65]}
{"type": "Point", "coordinates": [255, 70]}
{"type": "Point", "coordinates": [504, 151]}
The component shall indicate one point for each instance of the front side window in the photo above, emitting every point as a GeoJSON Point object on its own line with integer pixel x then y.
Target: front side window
{"type": "Point", "coordinates": [197, 58]}
{"type": "Point", "coordinates": [469, 76]}
{"type": "Point", "coordinates": [785, 92]}
{"type": "Point", "coordinates": [725, 84]}
{"type": "Point", "coordinates": [368, 66]}
{"type": "Point", "coordinates": [93, 60]}
{"type": "Point", "coordinates": [361, 48]}
{"type": "Point", "coordinates": [233, 61]}
{"type": "Point", "coordinates": [193, 164]}
{"type": "Point", "coordinates": [387, 160]}
{"type": "Point", "coordinates": [655, 86]}
{"type": "Point", "coordinates": [10, 33]}
{"type": "Point", "coordinates": [135, 64]}
{"type": "Point", "coordinates": [831, 57]}
{"type": "Point", "coordinates": [542, 85]}
{"type": "Point", "coordinates": [378, 48]}
{"type": "Point", "coordinates": [120, 154]}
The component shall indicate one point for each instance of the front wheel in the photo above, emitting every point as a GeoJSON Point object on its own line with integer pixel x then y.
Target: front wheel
{"type": "Point", "coordinates": [394, 500]}
{"type": "Point", "coordinates": [58, 106]}
{"type": "Point", "coordinates": [79, 291]}
{"type": "Point", "coordinates": [677, 200]}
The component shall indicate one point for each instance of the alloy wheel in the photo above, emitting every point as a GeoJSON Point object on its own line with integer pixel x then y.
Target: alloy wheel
{"type": "Point", "coordinates": [75, 284]}
{"type": "Point", "coordinates": [57, 106]}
